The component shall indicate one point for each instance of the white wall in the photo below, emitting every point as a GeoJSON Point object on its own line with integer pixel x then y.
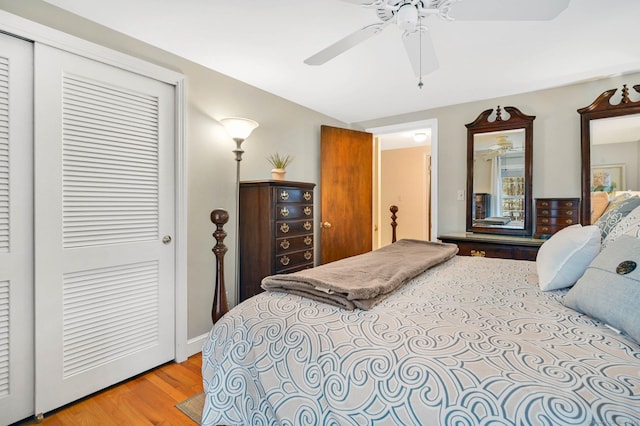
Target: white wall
{"type": "Point", "coordinates": [284, 126]}
{"type": "Point", "coordinates": [556, 141]}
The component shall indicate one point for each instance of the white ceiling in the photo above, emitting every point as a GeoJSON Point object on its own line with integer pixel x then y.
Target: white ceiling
{"type": "Point", "coordinates": [264, 43]}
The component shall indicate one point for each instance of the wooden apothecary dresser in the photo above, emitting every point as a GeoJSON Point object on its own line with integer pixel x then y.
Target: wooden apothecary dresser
{"type": "Point", "coordinates": [553, 214]}
{"type": "Point", "coordinates": [276, 231]}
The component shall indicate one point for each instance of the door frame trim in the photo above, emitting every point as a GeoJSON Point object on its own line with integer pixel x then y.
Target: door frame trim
{"type": "Point", "coordinates": [431, 123]}
{"type": "Point", "coordinates": [35, 32]}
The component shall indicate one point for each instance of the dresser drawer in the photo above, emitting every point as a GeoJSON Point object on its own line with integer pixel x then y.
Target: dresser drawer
{"type": "Point", "coordinates": [545, 231]}
{"type": "Point", "coordinates": [485, 250]}
{"type": "Point", "coordinates": [566, 213]}
{"type": "Point", "coordinates": [564, 221]}
{"type": "Point", "coordinates": [293, 195]}
{"type": "Point", "coordinates": [291, 260]}
{"type": "Point", "coordinates": [293, 227]}
{"type": "Point", "coordinates": [289, 244]}
{"type": "Point", "coordinates": [294, 211]}
{"type": "Point", "coordinates": [498, 251]}
{"type": "Point", "coordinates": [557, 203]}
{"type": "Point", "coordinates": [511, 248]}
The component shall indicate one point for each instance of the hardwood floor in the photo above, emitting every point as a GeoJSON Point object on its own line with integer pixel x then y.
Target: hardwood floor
{"type": "Point", "coordinates": [147, 399]}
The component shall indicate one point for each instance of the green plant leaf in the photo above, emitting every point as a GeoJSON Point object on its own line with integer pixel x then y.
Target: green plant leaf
{"type": "Point", "coordinates": [280, 161]}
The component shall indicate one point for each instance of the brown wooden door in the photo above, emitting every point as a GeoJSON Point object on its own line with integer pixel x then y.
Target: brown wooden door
{"type": "Point", "coordinates": [346, 171]}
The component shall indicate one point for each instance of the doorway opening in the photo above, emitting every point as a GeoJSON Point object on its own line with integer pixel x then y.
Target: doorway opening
{"type": "Point", "coordinates": [405, 175]}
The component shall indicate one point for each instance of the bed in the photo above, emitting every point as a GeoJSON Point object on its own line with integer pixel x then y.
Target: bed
{"type": "Point", "coordinates": [469, 341]}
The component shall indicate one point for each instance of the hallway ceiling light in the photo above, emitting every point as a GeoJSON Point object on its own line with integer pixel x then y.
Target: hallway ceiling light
{"type": "Point", "coordinates": [420, 136]}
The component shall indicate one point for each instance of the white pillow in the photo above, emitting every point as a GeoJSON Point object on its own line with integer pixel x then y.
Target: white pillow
{"type": "Point", "coordinates": [564, 257]}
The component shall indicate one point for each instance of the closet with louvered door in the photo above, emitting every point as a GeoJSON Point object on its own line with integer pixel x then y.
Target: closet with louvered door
{"type": "Point", "coordinates": [87, 221]}
{"type": "Point", "coordinates": [104, 221]}
{"type": "Point", "coordinates": [16, 229]}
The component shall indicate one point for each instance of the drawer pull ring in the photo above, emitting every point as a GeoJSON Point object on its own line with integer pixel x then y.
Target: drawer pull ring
{"type": "Point", "coordinates": [307, 196]}
{"type": "Point", "coordinates": [285, 244]}
{"type": "Point", "coordinates": [285, 260]}
{"type": "Point", "coordinates": [307, 210]}
{"type": "Point", "coordinates": [569, 221]}
{"type": "Point", "coordinates": [308, 255]}
{"type": "Point", "coordinates": [308, 240]}
{"type": "Point", "coordinates": [284, 195]}
{"type": "Point", "coordinates": [478, 253]}
{"type": "Point", "coordinates": [307, 226]}
{"type": "Point", "coordinates": [284, 228]}
{"type": "Point", "coordinates": [284, 212]}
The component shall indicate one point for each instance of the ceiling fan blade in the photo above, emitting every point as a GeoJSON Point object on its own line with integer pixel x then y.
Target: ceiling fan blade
{"type": "Point", "coordinates": [507, 10]}
{"type": "Point", "coordinates": [421, 51]}
{"type": "Point", "coordinates": [345, 44]}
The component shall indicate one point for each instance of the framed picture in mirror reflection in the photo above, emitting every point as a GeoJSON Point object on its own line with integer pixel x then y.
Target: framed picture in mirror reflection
{"type": "Point", "coordinates": [608, 178]}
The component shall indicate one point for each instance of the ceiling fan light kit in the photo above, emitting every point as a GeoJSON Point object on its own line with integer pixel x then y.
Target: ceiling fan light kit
{"type": "Point", "coordinates": [409, 16]}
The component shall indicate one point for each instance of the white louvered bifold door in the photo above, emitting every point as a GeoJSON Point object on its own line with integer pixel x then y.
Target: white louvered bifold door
{"type": "Point", "coordinates": [16, 229]}
{"type": "Point", "coordinates": [104, 173]}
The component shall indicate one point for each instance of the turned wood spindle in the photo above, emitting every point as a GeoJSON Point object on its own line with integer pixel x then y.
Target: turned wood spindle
{"type": "Point", "coordinates": [394, 210]}
{"type": "Point", "coordinates": [220, 306]}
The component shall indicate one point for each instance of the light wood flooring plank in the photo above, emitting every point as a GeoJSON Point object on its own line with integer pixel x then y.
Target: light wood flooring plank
{"type": "Point", "coordinates": [148, 399]}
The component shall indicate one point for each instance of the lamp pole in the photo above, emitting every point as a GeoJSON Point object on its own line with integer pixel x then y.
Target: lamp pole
{"type": "Point", "coordinates": [238, 151]}
{"type": "Point", "coordinates": [239, 129]}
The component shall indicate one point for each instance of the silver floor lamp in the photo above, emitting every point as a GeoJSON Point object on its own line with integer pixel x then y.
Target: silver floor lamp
{"type": "Point", "coordinates": [239, 129]}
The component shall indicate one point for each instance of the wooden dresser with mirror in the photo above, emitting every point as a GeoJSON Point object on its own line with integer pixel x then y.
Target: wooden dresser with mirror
{"type": "Point", "coordinates": [609, 144]}
{"type": "Point", "coordinates": [606, 148]}
{"type": "Point", "coordinates": [499, 179]}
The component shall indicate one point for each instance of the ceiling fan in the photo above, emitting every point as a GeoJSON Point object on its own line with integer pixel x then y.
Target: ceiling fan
{"type": "Point", "coordinates": [503, 145]}
{"type": "Point", "coordinates": [409, 16]}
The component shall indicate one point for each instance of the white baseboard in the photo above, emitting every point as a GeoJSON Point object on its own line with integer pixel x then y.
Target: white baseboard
{"type": "Point", "coordinates": [194, 345]}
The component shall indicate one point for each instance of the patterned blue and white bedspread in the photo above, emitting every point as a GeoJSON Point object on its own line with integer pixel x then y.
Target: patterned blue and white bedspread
{"type": "Point", "coordinates": [470, 342]}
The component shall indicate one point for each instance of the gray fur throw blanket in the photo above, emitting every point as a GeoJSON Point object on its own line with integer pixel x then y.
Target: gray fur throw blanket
{"type": "Point", "coordinates": [364, 280]}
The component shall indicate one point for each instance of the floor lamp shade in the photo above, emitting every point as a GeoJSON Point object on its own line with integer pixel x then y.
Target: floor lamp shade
{"type": "Point", "coordinates": [239, 128]}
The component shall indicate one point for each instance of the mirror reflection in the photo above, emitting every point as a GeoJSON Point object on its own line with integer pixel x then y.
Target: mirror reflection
{"type": "Point", "coordinates": [499, 179]}
{"type": "Point", "coordinates": [499, 172]}
{"type": "Point", "coordinates": [615, 154]}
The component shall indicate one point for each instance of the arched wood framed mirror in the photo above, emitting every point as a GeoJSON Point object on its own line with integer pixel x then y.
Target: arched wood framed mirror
{"type": "Point", "coordinates": [499, 172]}
{"type": "Point", "coordinates": [610, 146]}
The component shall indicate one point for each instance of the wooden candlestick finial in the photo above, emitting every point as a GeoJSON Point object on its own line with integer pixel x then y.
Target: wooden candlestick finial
{"type": "Point", "coordinates": [394, 210]}
{"type": "Point", "coordinates": [220, 305]}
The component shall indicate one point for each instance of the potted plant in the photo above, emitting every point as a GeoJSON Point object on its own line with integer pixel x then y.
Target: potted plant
{"type": "Point", "coordinates": [279, 163]}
